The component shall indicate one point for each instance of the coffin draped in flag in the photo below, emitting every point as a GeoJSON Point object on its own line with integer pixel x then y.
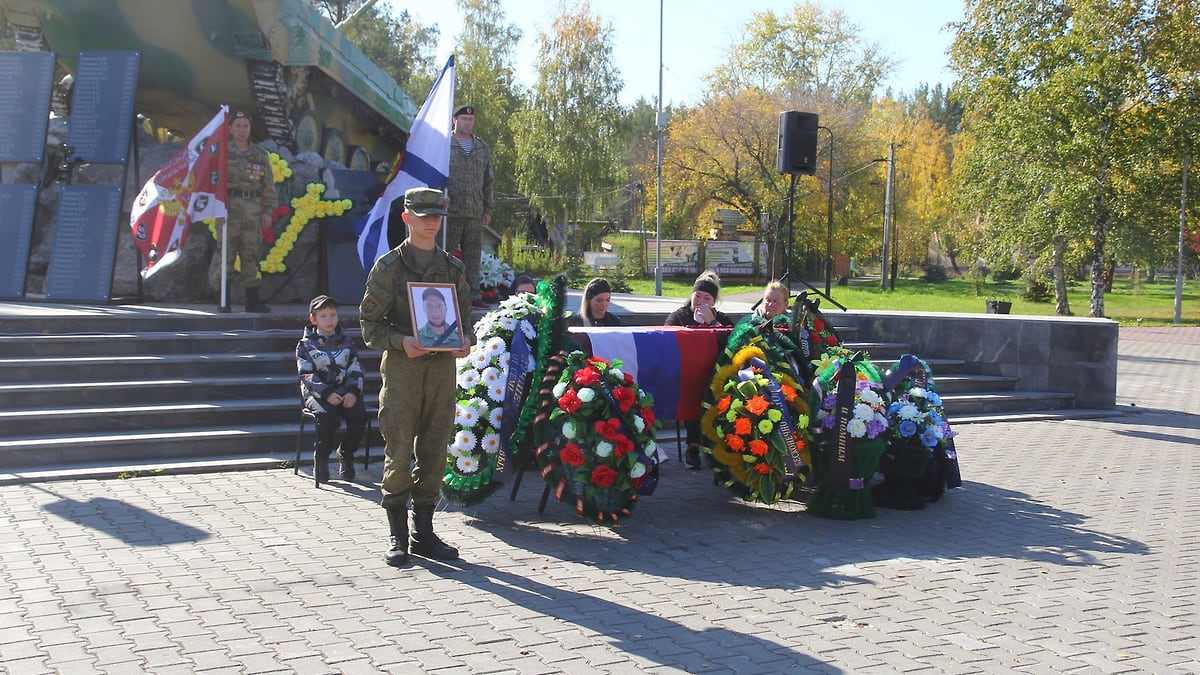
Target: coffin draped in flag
{"type": "Point", "coordinates": [426, 163]}
{"type": "Point", "coordinates": [189, 188]}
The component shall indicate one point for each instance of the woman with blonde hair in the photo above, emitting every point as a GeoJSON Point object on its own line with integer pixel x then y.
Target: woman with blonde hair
{"type": "Point", "coordinates": [774, 300]}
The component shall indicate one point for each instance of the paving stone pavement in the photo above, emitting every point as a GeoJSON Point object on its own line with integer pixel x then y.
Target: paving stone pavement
{"type": "Point", "coordinates": [1072, 547]}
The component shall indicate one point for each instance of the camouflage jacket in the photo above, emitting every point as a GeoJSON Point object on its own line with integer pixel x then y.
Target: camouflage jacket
{"type": "Point", "coordinates": [386, 311]}
{"type": "Point", "coordinates": [250, 173]}
{"type": "Point", "coordinates": [328, 365]}
{"type": "Point", "coordinates": [470, 186]}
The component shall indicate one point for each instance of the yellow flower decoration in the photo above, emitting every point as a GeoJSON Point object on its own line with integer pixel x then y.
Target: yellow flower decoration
{"type": "Point", "coordinates": [280, 170]}
{"type": "Point", "coordinates": [304, 209]}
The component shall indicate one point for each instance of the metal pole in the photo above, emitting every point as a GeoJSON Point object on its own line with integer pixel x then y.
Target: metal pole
{"type": "Point", "coordinates": [223, 303]}
{"type": "Point", "coordinates": [895, 227]}
{"type": "Point", "coordinates": [887, 218]}
{"type": "Point", "coordinates": [658, 123]}
{"type": "Point", "coordinates": [829, 219]}
{"type": "Point", "coordinates": [1182, 227]}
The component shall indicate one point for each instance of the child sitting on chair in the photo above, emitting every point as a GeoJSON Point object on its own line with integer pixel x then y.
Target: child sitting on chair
{"type": "Point", "coordinates": [331, 384]}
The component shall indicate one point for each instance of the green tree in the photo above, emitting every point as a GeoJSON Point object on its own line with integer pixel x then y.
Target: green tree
{"type": "Point", "coordinates": [567, 140]}
{"type": "Point", "coordinates": [937, 104]}
{"type": "Point", "coordinates": [1053, 101]}
{"type": "Point", "coordinates": [640, 138]}
{"type": "Point", "coordinates": [922, 188]}
{"type": "Point", "coordinates": [484, 53]}
{"type": "Point", "coordinates": [401, 46]}
{"type": "Point", "coordinates": [808, 54]}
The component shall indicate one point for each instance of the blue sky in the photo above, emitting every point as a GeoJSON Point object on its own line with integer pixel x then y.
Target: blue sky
{"type": "Point", "coordinates": [696, 34]}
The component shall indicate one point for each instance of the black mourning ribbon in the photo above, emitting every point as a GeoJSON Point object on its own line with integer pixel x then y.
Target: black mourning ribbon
{"type": "Point", "coordinates": [451, 330]}
{"type": "Point", "coordinates": [650, 481]}
{"type": "Point", "coordinates": [779, 402]}
{"type": "Point", "coordinates": [514, 389]}
{"type": "Point", "coordinates": [841, 460]}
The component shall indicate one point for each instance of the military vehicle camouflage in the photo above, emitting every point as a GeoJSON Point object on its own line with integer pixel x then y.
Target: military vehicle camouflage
{"type": "Point", "coordinates": [310, 88]}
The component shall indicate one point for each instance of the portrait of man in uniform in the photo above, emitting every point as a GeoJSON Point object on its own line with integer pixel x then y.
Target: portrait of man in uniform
{"type": "Point", "coordinates": [435, 322]}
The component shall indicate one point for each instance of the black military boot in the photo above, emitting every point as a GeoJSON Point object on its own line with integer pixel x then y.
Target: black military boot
{"type": "Point", "coordinates": [424, 542]}
{"type": "Point", "coordinates": [346, 466]}
{"type": "Point", "coordinates": [253, 304]}
{"type": "Point", "coordinates": [397, 554]}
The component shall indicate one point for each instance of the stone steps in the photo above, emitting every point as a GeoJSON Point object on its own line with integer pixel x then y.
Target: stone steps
{"type": "Point", "coordinates": [138, 391]}
{"type": "Point", "coordinates": [150, 417]}
{"type": "Point", "coordinates": [178, 390]}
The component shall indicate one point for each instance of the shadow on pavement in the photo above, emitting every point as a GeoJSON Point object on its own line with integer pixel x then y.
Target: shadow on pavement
{"type": "Point", "coordinates": [653, 638]}
{"type": "Point", "coordinates": [117, 519]}
{"type": "Point", "coordinates": [707, 535]}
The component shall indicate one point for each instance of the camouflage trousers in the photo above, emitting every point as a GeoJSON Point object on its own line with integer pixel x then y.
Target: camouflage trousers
{"type": "Point", "coordinates": [245, 241]}
{"type": "Point", "coordinates": [466, 233]}
{"type": "Point", "coordinates": [416, 418]}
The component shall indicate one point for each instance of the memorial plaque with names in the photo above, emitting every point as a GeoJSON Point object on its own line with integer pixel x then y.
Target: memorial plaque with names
{"type": "Point", "coordinates": [26, 78]}
{"type": "Point", "coordinates": [18, 204]}
{"type": "Point", "coordinates": [85, 243]}
{"type": "Point", "coordinates": [102, 106]}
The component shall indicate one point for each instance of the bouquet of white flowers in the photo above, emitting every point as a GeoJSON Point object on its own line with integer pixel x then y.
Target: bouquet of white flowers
{"type": "Point", "coordinates": [482, 390]}
{"type": "Point", "coordinates": [493, 273]}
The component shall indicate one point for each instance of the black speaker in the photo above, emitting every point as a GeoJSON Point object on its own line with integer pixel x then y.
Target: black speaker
{"type": "Point", "coordinates": [797, 151]}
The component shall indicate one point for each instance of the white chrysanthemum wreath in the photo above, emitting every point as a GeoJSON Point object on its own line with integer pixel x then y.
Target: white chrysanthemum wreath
{"type": "Point", "coordinates": [481, 392]}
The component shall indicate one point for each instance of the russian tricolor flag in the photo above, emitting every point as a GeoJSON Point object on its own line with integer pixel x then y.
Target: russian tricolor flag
{"type": "Point", "coordinates": [673, 364]}
{"type": "Point", "coordinates": [426, 163]}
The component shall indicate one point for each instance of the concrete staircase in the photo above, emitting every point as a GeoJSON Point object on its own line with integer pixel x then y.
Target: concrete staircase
{"type": "Point", "coordinates": [197, 391]}
{"type": "Point", "coordinates": [162, 390]}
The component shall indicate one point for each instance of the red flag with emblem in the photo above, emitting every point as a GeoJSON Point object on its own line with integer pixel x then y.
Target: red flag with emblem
{"type": "Point", "coordinates": [190, 188]}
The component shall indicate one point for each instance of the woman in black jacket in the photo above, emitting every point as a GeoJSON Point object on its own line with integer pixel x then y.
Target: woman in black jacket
{"type": "Point", "coordinates": [698, 311]}
{"type": "Point", "coordinates": [593, 311]}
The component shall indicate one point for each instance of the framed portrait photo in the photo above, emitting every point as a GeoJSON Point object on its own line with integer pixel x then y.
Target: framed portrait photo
{"type": "Point", "coordinates": [435, 315]}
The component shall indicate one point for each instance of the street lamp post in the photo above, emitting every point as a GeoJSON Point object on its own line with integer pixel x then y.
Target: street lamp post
{"type": "Point", "coordinates": [888, 215]}
{"type": "Point", "coordinates": [829, 219]}
{"type": "Point", "coordinates": [659, 121]}
{"type": "Point", "coordinates": [1182, 228]}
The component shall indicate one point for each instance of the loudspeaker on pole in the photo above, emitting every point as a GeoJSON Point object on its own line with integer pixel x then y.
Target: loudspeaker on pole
{"type": "Point", "coordinates": [797, 152]}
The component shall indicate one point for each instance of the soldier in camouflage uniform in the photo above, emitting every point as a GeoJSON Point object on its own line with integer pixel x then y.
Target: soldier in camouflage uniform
{"type": "Point", "coordinates": [251, 203]}
{"type": "Point", "coordinates": [416, 402]}
{"type": "Point", "coordinates": [471, 199]}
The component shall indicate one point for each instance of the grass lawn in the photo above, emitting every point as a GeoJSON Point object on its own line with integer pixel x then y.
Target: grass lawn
{"type": "Point", "coordinates": [1147, 304]}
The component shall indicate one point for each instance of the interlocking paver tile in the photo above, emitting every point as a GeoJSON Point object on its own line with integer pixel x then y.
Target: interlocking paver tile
{"type": "Point", "coordinates": [1072, 547]}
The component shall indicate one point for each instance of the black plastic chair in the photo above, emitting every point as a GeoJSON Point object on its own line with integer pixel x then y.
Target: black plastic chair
{"type": "Point", "coordinates": [306, 415]}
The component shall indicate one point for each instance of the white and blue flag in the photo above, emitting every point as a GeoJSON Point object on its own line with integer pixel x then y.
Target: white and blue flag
{"type": "Point", "coordinates": [426, 163]}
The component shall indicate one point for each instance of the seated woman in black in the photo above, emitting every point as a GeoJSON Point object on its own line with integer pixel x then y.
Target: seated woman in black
{"type": "Point", "coordinates": [593, 311]}
{"type": "Point", "coordinates": [699, 311]}
{"type": "Point", "coordinates": [522, 283]}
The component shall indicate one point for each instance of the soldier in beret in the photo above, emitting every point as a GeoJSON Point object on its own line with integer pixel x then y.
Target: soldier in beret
{"type": "Point", "coordinates": [471, 199]}
{"type": "Point", "coordinates": [251, 202]}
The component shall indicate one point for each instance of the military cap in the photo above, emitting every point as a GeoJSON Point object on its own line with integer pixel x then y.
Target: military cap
{"type": "Point", "coordinates": [424, 201]}
{"type": "Point", "coordinates": [465, 110]}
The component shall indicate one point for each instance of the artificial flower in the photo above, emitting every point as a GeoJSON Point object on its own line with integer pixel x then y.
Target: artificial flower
{"type": "Point", "coordinates": [750, 453]}
{"type": "Point", "coordinates": [481, 382]}
{"type": "Point", "coordinates": [604, 422]}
